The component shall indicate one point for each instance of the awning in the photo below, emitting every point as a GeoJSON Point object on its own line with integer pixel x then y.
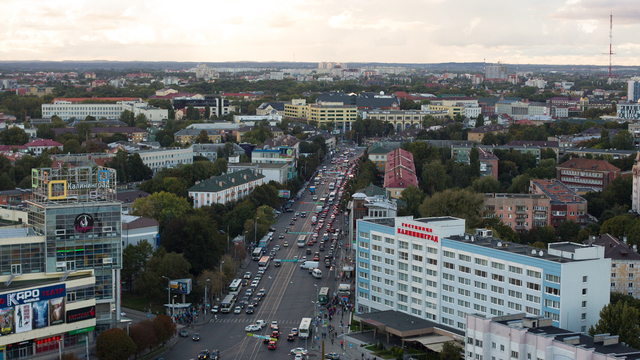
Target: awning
{"type": "Point", "coordinates": [433, 343]}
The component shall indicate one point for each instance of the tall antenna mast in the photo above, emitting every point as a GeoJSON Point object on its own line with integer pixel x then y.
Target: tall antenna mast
{"type": "Point", "coordinates": [610, 43]}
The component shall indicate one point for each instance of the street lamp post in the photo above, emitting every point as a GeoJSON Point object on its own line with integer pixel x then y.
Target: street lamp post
{"type": "Point", "coordinates": [168, 289]}
{"type": "Point", "coordinates": [221, 262]}
{"type": "Point", "coordinates": [255, 233]}
{"type": "Point", "coordinates": [205, 297]}
{"type": "Point", "coordinates": [173, 305]}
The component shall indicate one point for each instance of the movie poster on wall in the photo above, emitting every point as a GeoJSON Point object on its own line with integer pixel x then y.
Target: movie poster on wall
{"type": "Point", "coordinates": [24, 318]}
{"type": "Point", "coordinates": [40, 314]}
{"type": "Point", "coordinates": [56, 311]}
{"type": "Point", "coordinates": [6, 321]}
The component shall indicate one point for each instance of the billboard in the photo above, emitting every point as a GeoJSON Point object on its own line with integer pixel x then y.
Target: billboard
{"type": "Point", "coordinates": [7, 321]}
{"type": "Point", "coordinates": [284, 194]}
{"type": "Point", "coordinates": [32, 309]}
{"type": "Point", "coordinates": [40, 314]}
{"type": "Point", "coordinates": [181, 286]}
{"type": "Point", "coordinates": [32, 295]}
{"type": "Point", "coordinates": [56, 311]}
{"type": "Point", "coordinates": [84, 313]}
{"type": "Point", "coordinates": [24, 316]}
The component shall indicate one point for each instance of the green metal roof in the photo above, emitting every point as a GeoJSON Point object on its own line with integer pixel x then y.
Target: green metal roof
{"type": "Point", "coordinates": [226, 181]}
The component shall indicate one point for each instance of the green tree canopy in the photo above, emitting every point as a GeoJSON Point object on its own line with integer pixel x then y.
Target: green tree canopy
{"type": "Point", "coordinates": [413, 197]}
{"type": "Point", "coordinates": [619, 319]}
{"type": "Point", "coordinates": [114, 344]}
{"type": "Point", "coordinates": [161, 206]}
{"type": "Point", "coordinates": [14, 136]}
{"type": "Point", "coordinates": [454, 202]}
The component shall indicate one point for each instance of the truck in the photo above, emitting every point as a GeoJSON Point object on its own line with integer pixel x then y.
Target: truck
{"type": "Point", "coordinates": [309, 265]}
{"type": "Point", "coordinates": [319, 208]}
{"type": "Point", "coordinates": [312, 189]}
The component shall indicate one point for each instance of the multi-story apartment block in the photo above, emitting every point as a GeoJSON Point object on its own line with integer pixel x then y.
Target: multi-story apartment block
{"type": "Point", "coordinates": [566, 204]}
{"type": "Point", "coordinates": [370, 202]}
{"type": "Point", "coordinates": [521, 212]}
{"type": "Point", "coordinates": [586, 173]}
{"type": "Point", "coordinates": [378, 155]}
{"type": "Point", "coordinates": [225, 188]}
{"type": "Point", "coordinates": [625, 263]}
{"type": "Point", "coordinates": [281, 150]}
{"type": "Point", "coordinates": [495, 72]}
{"type": "Point", "coordinates": [431, 269]}
{"type": "Point", "coordinates": [67, 108]}
{"type": "Point", "coordinates": [635, 192]}
{"type": "Point", "coordinates": [633, 91]}
{"type": "Point", "coordinates": [158, 159]}
{"type": "Point", "coordinates": [210, 151]}
{"type": "Point", "coordinates": [217, 105]}
{"type": "Point", "coordinates": [628, 110]}
{"type": "Point", "coordinates": [518, 336]}
{"type": "Point", "coordinates": [15, 196]}
{"type": "Point", "coordinates": [400, 172]}
{"type": "Point", "coordinates": [343, 116]}
{"type": "Point", "coordinates": [297, 109]}
{"type": "Point", "coordinates": [185, 136]}
{"type": "Point", "coordinates": [488, 163]}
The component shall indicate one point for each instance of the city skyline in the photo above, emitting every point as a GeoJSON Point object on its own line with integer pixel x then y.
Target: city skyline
{"type": "Point", "coordinates": [430, 31]}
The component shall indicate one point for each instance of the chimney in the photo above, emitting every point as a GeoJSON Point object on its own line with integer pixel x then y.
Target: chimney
{"type": "Point", "coordinates": [220, 183]}
{"type": "Point", "coordinates": [611, 340]}
{"type": "Point", "coordinates": [572, 340]}
{"type": "Point", "coordinates": [233, 180]}
{"type": "Point", "coordinates": [600, 337]}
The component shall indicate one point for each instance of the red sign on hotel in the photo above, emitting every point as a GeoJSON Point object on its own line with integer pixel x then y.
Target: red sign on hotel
{"type": "Point", "coordinates": [420, 232]}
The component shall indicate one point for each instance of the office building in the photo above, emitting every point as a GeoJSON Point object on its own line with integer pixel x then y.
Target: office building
{"type": "Point", "coordinates": [218, 106]}
{"type": "Point", "coordinates": [158, 159]}
{"type": "Point", "coordinates": [628, 110]}
{"type": "Point", "coordinates": [431, 269]}
{"type": "Point", "coordinates": [342, 116]}
{"type": "Point", "coordinates": [522, 337]}
{"type": "Point", "coordinates": [77, 108]}
{"type": "Point", "coordinates": [633, 91]}
{"type": "Point", "coordinates": [495, 72]}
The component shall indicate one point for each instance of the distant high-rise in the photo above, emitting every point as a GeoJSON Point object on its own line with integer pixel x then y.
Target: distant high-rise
{"type": "Point", "coordinates": [633, 93]}
{"type": "Point", "coordinates": [497, 71]}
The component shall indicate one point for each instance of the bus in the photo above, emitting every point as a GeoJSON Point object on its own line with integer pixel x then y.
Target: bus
{"type": "Point", "coordinates": [236, 287]}
{"type": "Point", "coordinates": [257, 254]}
{"type": "Point", "coordinates": [264, 242]}
{"type": "Point", "coordinates": [304, 331]}
{"type": "Point", "coordinates": [302, 240]}
{"type": "Point", "coordinates": [227, 304]}
{"type": "Point", "coordinates": [323, 295]}
{"type": "Point", "coordinates": [263, 264]}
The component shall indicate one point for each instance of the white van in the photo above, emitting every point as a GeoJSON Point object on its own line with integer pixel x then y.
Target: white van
{"type": "Point", "coordinates": [309, 265]}
{"type": "Point", "coordinates": [317, 273]}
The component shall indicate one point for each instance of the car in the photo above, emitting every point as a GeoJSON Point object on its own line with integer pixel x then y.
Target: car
{"type": "Point", "coordinates": [255, 283]}
{"type": "Point", "coordinates": [295, 258]}
{"type": "Point", "coordinates": [304, 258]}
{"type": "Point", "coordinates": [294, 331]}
{"type": "Point", "coordinates": [332, 356]}
{"type": "Point", "coordinates": [215, 355]}
{"type": "Point", "coordinates": [297, 213]}
{"type": "Point", "coordinates": [196, 337]}
{"type": "Point", "coordinates": [294, 218]}
{"type": "Point", "coordinates": [248, 293]}
{"type": "Point", "coordinates": [204, 355]}
{"type": "Point", "coordinates": [286, 244]}
{"type": "Point", "coordinates": [298, 357]}
{"type": "Point", "coordinates": [316, 258]}
{"type": "Point", "coordinates": [272, 229]}
{"type": "Point", "coordinates": [262, 292]}
{"type": "Point", "coordinates": [237, 310]}
{"type": "Point", "coordinates": [276, 248]}
{"type": "Point", "coordinates": [327, 264]}
{"type": "Point", "coordinates": [274, 325]}
{"type": "Point", "coordinates": [275, 334]}
{"type": "Point", "coordinates": [272, 345]}
{"type": "Point", "coordinates": [259, 276]}
{"type": "Point", "coordinates": [215, 309]}
{"type": "Point", "coordinates": [184, 333]}
{"type": "Point", "coordinates": [255, 301]}
{"type": "Point", "coordinates": [286, 230]}
{"type": "Point", "coordinates": [245, 282]}
{"type": "Point", "coordinates": [291, 223]}
{"type": "Point", "coordinates": [281, 236]}
{"type": "Point", "coordinates": [249, 309]}
{"type": "Point", "coordinates": [253, 327]}
{"type": "Point", "coordinates": [247, 275]}
{"type": "Point", "coordinates": [303, 215]}
{"type": "Point", "coordinates": [260, 272]}
{"type": "Point", "coordinates": [262, 323]}
{"type": "Point", "coordinates": [298, 350]}
{"type": "Point", "coordinates": [291, 337]}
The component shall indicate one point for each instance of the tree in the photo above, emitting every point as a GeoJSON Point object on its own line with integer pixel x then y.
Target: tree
{"type": "Point", "coordinates": [144, 336]}
{"type": "Point", "coordinates": [164, 327]}
{"type": "Point", "coordinates": [474, 163]}
{"type": "Point", "coordinates": [486, 184]}
{"type": "Point", "coordinates": [413, 197]}
{"type": "Point", "coordinates": [68, 356]}
{"type": "Point", "coordinates": [202, 138]}
{"type": "Point", "coordinates": [128, 117]}
{"type": "Point", "coordinates": [434, 177]}
{"type": "Point", "coordinates": [207, 112]}
{"type": "Point", "coordinates": [520, 184]}
{"type": "Point", "coordinates": [134, 258]}
{"type": "Point", "coordinates": [161, 206]}
{"type": "Point", "coordinates": [141, 121]}
{"type": "Point", "coordinates": [480, 121]}
{"type": "Point", "coordinates": [14, 136]}
{"type": "Point", "coordinates": [617, 226]}
{"type": "Point", "coordinates": [450, 351]}
{"type": "Point", "coordinates": [619, 319]}
{"type": "Point", "coordinates": [114, 344]}
{"type": "Point", "coordinates": [569, 230]}
{"type": "Point", "coordinates": [454, 202]}
{"type": "Point", "coordinates": [171, 265]}
{"type": "Point", "coordinates": [623, 140]}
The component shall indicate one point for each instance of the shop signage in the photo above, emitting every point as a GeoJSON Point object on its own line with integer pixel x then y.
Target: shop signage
{"type": "Point", "coordinates": [80, 331]}
{"type": "Point", "coordinates": [83, 223]}
{"type": "Point", "coordinates": [84, 313]}
{"type": "Point", "coordinates": [32, 295]}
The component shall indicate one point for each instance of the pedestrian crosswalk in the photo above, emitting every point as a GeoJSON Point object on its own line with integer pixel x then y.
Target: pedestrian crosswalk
{"type": "Point", "coordinates": [252, 320]}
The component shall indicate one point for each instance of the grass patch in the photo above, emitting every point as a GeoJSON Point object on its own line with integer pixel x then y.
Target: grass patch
{"type": "Point", "coordinates": [141, 302]}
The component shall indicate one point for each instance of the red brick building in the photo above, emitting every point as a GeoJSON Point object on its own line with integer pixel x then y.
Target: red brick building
{"type": "Point", "coordinates": [586, 173]}
{"type": "Point", "coordinates": [566, 204]}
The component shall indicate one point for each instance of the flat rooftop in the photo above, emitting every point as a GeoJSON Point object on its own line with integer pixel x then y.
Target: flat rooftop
{"type": "Point", "coordinates": [400, 323]}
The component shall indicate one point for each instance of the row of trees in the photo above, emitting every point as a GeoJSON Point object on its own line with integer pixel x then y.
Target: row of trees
{"type": "Point", "coordinates": [115, 344]}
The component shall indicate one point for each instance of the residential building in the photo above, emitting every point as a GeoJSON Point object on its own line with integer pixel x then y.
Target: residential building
{"type": "Point", "coordinates": [521, 212]}
{"type": "Point", "coordinates": [635, 193]}
{"type": "Point", "coordinates": [488, 163]}
{"type": "Point", "coordinates": [297, 109]}
{"type": "Point", "coordinates": [628, 110]}
{"type": "Point", "coordinates": [566, 204]}
{"type": "Point", "coordinates": [367, 203]}
{"type": "Point", "coordinates": [267, 108]}
{"type": "Point", "coordinates": [218, 106]}
{"type": "Point", "coordinates": [625, 263]}
{"type": "Point", "coordinates": [158, 159]}
{"type": "Point", "coordinates": [478, 133]}
{"type": "Point", "coordinates": [67, 108]}
{"type": "Point", "coordinates": [68, 297]}
{"type": "Point", "coordinates": [343, 116]}
{"type": "Point", "coordinates": [431, 269]}
{"type": "Point", "coordinates": [210, 151]}
{"type": "Point", "coordinates": [279, 150]}
{"type": "Point", "coordinates": [495, 72]}
{"type": "Point", "coordinates": [536, 82]}
{"type": "Point", "coordinates": [633, 91]}
{"type": "Point", "coordinates": [400, 172]}
{"type": "Point", "coordinates": [329, 139]}
{"type": "Point", "coordinates": [275, 131]}
{"type": "Point", "coordinates": [277, 172]}
{"type": "Point", "coordinates": [225, 188]}
{"type": "Point", "coordinates": [185, 136]}
{"type": "Point", "coordinates": [488, 106]}
{"type": "Point", "coordinates": [452, 110]}
{"type": "Point", "coordinates": [39, 146]}
{"type": "Point", "coordinates": [136, 229]}
{"type": "Point", "coordinates": [127, 197]}
{"type": "Point", "coordinates": [522, 336]}
{"type": "Point", "coordinates": [378, 155]}
{"type": "Point", "coordinates": [227, 129]}
{"type": "Point", "coordinates": [15, 196]}
{"type": "Point", "coordinates": [134, 134]}
{"type": "Point", "coordinates": [586, 173]}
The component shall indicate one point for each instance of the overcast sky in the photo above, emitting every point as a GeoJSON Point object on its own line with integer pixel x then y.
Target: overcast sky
{"type": "Point", "coordinates": [408, 31]}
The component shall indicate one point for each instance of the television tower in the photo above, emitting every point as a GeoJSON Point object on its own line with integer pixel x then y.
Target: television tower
{"type": "Point", "coordinates": [610, 43]}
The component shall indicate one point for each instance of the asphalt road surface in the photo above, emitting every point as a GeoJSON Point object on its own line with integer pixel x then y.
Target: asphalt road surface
{"type": "Point", "coordinates": [291, 294]}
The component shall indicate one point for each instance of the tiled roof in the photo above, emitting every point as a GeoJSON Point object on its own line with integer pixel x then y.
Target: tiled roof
{"type": "Point", "coordinates": [137, 222]}
{"type": "Point", "coordinates": [588, 164]}
{"type": "Point", "coordinates": [227, 181]}
{"type": "Point", "coordinates": [488, 128]}
{"type": "Point", "coordinates": [128, 197]}
{"type": "Point", "coordinates": [275, 142]}
{"type": "Point", "coordinates": [486, 154]}
{"type": "Point", "coordinates": [400, 169]}
{"type": "Point", "coordinates": [43, 142]}
{"type": "Point", "coordinates": [108, 130]}
{"type": "Point", "coordinates": [614, 248]}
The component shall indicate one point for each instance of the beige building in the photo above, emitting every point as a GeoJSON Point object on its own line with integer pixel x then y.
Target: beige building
{"type": "Point", "coordinates": [404, 119]}
{"type": "Point", "coordinates": [342, 115]}
{"type": "Point", "coordinates": [226, 188]}
{"type": "Point", "coordinates": [625, 264]}
{"type": "Point", "coordinates": [297, 109]}
{"type": "Point", "coordinates": [185, 136]}
{"type": "Point", "coordinates": [378, 155]}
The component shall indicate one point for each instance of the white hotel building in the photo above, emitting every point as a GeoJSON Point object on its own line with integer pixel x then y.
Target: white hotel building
{"type": "Point", "coordinates": [431, 269]}
{"type": "Point", "coordinates": [67, 110]}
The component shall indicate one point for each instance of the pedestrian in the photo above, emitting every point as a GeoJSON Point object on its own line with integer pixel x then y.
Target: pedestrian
{"type": "Point", "coordinates": [331, 341]}
{"type": "Point", "coordinates": [362, 356]}
{"type": "Point", "coordinates": [343, 347]}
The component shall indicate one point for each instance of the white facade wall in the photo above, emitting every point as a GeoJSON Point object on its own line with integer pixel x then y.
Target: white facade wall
{"type": "Point", "coordinates": [235, 193]}
{"type": "Point", "coordinates": [166, 158]}
{"type": "Point", "coordinates": [67, 110]}
{"type": "Point", "coordinates": [472, 111]}
{"type": "Point", "coordinates": [136, 236]}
